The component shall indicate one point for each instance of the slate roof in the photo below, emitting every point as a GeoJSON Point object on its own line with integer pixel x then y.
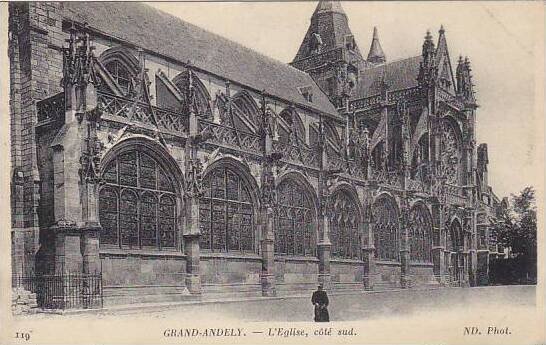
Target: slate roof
{"type": "Point", "coordinates": [400, 74]}
{"type": "Point", "coordinates": [331, 23]}
{"type": "Point", "coordinates": [170, 36]}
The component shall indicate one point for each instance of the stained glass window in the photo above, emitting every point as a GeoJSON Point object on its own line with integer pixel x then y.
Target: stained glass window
{"type": "Point", "coordinates": [420, 228]}
{"type": "Point", "coordinates": [294, 230]}
{"type": "Point", "coordinates": [226, 213]}
{"type": "Point", "coordinates": [120, 74]}
{"type": "Point", "coordinates": [137, 205]}
{"type": "Point", "coordinates": [386, 235]}
{"type": "Point", "coordinates": [344, 233]}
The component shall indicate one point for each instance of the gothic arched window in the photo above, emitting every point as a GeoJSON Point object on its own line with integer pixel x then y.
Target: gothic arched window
{"type": "Point", "coordinates": [202, 97]}
{"type": "Point", "coordinates": [344, 227]}
{"type": "Point", "coordinates": [420, 233]}
{"type": "Point", "coordinates": [120, 74]}
{"type": "Point", "coordinates": [294, 231]}
{"type": "Point", "coordinates": [386, 237]}
{"type": "Point", "coordinates": [137, 204]}
{"type": "Point", "coordinates": [246, 108]}
{"type": "Point", "coordinates": [226, 212]}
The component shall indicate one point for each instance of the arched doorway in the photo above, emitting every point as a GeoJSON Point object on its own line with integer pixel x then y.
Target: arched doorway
{"type": "Point", "coordinates": [420, 234]}
{"type": "Point", "coordinates": [455, 248]}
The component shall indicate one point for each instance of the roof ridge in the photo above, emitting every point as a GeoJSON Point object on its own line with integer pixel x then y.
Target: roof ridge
{"type": "Point", "coordinates": [175, 38]}
{"type": "Point", "coordinates": [195, 26]}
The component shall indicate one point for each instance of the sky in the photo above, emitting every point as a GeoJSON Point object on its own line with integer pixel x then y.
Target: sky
{"type": "Point", "coordinates": [503, 40]}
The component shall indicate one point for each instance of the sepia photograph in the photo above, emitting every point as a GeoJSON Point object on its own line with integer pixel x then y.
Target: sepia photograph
{"type": "Point", "coordinates": [272, 172]}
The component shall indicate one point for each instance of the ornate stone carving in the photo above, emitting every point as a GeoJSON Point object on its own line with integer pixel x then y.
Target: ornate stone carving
{"type": "Point", "coordinates": [193, 178]}
{"type": "Point", "coordinates": [450, 153]}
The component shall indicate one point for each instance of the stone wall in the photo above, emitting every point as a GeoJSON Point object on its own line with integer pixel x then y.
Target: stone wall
{"type": "Point", "coordinates": [346, 274]}
{"type": "Point", "coordinates": [296, 275]}
{"type": "Point", "coordinates": [141, 269]}
{"type": "Point", "coordinates": [421, 275]}
{"type": "Point", "coordinates": [387, 276]}
{"type": "Point", "coordinates": [230, 275]}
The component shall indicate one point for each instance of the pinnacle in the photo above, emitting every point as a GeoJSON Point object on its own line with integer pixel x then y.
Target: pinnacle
{"type": "Point", "coordinates": [376, 54]}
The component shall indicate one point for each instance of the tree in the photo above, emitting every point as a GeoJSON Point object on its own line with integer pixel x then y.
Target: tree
{"type": "Point", "coordinates": [517, 229]}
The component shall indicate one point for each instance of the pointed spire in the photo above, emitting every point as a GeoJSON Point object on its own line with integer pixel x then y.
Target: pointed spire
{"type": "Point", "coordinates": [428, 45]}
{"type": "Point", "coordinates": [427, 70]}
{"type": "Point", "coordinates": [442, 43]}
{"type": "Point", "coordinates": [325, 6]}
{"type": "Point", "coordinates": [329, 29]}
{"type": "Point", "coordinates": [376, 55]}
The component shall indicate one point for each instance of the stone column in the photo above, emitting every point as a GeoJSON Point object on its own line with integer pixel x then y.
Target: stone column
{"type": "Point", "coordinates": [324, 245]}
{"type": "Point", "coordinates": [68, 258]}
{"type": "Point", "coordinates": [438, 247]}
{"type": "Point", "coordinates": [268, 198]}
{"type": "Point", "coordinates": [192, 232]}
{"type": "Point", "coordinates": [405, 278]}
{"type": "Point", "coordinates": [267, 277]}
{"type": "Point", "coordinates": [191, 249]}
{"type": "Point", "coordinates": [90, 250]}
{"type": "Point", "coordinates": [323, 250]}
{"type": "Point", "coordinates": [76, 165]}
{"type": "Point", "coordinates": [368, 248]}
{"type": "Point", "coordinates": [192, 193]}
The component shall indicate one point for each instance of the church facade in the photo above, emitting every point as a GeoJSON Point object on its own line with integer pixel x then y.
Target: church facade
{"type": "Point", "coordinates": [178, 164]}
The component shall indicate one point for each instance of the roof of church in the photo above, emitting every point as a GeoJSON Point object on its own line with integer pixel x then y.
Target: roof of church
{"type": "Point", "coordinates": [170, 36]}
{"type": "Point", "coordinates": [400, 74]}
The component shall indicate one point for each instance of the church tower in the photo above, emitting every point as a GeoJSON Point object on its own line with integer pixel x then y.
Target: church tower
{"type": "Point", "coordinates": [329, 53]}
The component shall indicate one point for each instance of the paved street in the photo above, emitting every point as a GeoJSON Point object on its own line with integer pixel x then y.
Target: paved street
{"type": "Point", "coordinates": [367, 305]}
{"type": "Point", "coordinates": [439, 316]}
{"type": "Point", "coordinates": [346, 307]}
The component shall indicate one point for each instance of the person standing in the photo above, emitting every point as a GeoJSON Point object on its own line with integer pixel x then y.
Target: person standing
{"type": "Point", "coordinates": [320, 301]}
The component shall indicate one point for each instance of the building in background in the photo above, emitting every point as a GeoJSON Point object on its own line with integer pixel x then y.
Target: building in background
{"type": "Point", "coordinates": [173, 163]}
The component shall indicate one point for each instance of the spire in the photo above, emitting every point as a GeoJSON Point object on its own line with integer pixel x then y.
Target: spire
{"type": "Point", "coordinates": [328, 7]}
{"type": "Point", "coordinates": [427, 70]}
{"type": "Point", "coordinates": [428, 45]}
{"type": "Point", "coordinates": [376, 55]}
{"type": "Point", "coordinates": [329, 29]}
{"type": "Point", "coordinates": [442, 43]}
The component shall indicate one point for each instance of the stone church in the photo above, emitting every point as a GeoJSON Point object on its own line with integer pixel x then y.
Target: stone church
{"type": "Point", "coordinates": [175, 164]}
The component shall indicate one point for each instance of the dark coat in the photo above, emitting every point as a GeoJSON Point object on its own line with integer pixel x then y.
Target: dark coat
{"type": "Point", "coordinates": [320, 301]}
